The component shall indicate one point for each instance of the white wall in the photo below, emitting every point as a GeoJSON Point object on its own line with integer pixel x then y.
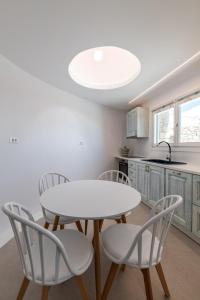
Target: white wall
{"type": "Point", "coordinates": [181, 86]}
{"type": "Point", "coordinates": [50, 125]}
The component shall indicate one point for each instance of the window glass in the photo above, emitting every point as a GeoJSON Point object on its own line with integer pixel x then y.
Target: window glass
{"type": "Point", "coordinates": [189, 121]}
{"type": "Point", "coordinates": [164, 125]}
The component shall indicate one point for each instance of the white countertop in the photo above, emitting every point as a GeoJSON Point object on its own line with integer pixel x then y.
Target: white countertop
{"type": "Point", "coordinates": [189, 168]}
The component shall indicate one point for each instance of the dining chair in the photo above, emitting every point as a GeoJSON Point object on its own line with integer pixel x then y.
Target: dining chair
{"type": "Point", "coordinates": [115, 176]}
{"type": "Point", "coordinates": [140, 246]}
{"type": "Point", "coordinates": [49, 180]}
{"type": "Point", "coordinates": [48, 258]}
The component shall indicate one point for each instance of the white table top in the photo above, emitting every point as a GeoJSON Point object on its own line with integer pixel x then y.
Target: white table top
{"type": "Point", "coordinates": [90, 199]}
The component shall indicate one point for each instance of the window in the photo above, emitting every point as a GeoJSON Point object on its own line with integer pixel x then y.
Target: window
{"type": "Point", "coordinates": [164, 125]}
{"type": "Point", "coordinates": [189, 123]}
{"type": "Point", "coordinates": [178, 123]}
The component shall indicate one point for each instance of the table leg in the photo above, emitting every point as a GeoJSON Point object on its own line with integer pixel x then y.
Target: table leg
{"type": "Point", "coordinates": [55, 224]}
{"type": "Point", "coordinates": [97, 260]}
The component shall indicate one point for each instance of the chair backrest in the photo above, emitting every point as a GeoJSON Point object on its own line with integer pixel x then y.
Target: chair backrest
{"type": "Point", "coordinates": [158, 224]}
{"type": "Point", "coordinates": [116, 176]}
{"type": "Point", "coordinates": [49, 180]}
{"type": "Point", "coordinates": [30, 238]}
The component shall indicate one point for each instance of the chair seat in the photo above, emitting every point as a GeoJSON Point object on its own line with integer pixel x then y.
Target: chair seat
{"type": "Point", "coordinates": [79, 251]}
{"type": "Point", "coordinates": [49, 217]}
{"type": "Point", "coordinates": [117, 240]}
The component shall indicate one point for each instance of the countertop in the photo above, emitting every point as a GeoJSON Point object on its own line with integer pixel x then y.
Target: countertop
{"type": "Point", "coordinates": [188, 168]}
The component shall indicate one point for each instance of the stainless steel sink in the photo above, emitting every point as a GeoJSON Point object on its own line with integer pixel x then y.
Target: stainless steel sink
{"type": "Point", "coordinates": [165, 162]}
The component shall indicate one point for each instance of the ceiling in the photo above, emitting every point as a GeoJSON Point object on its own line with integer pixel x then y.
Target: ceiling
{"type": "Point", "coordinates": [42, 37]}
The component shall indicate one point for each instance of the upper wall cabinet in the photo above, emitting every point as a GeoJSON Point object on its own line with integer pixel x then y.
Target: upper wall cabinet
{"type": "Point", "coordinates": [138, 123]}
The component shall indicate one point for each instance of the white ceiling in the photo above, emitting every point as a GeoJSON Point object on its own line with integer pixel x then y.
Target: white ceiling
{"type": "Point", "coordinates": [43, 36]}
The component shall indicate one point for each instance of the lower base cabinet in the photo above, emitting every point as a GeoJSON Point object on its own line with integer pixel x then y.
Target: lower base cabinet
{"type": "Point", "coordinates": [180, 183]}
{"type": "Point", "coordinates": [154, 182]}
{"type": "Point", "coordinates": [150, 183]}
{"type": "Point", "coordinates": [156, 189]}
{"type": "Point", "coordinates": [196, 220]}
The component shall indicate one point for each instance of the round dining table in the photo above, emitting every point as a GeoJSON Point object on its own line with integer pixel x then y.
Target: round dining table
{"type": "Point", "coordinates": [94, 200]}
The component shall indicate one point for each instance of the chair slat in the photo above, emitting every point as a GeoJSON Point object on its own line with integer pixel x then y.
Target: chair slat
{"type": "Point", "coordinates": [41, 247]}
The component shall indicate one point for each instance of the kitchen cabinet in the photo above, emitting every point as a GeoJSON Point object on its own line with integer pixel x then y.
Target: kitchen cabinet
{"type": "Point", "coordinates": [156, 183]}
{"type": "Point", "coordinates": [196, 190]}
{"type": "Point", "coordinates": [142, 175]}
{"type": "Point", "coordinates": [132, 167]}
{"type": "Point", "coordinates": [150, 183]}
{"type": "Point", "coordinates": [180, 183]}
{"type": "Point", "coordinates": [137, 123]}
{"type": "Point", "coordinates": [196, 220]}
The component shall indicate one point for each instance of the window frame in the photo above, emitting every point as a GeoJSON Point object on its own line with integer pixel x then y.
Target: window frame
{"type": "Point", "coordinates": [176, 104]}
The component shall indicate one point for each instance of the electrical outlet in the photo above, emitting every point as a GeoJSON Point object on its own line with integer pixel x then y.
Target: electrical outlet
{"type": "Point", "coordinates": [14, 140]}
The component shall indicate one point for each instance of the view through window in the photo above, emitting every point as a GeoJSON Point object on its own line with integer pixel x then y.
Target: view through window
{"type": "Point", "coordinates": [186, 115]}
{"type": "Point", "coordinates": [190, 121]}
{"type": "Point", "coordinates": [164, 125]}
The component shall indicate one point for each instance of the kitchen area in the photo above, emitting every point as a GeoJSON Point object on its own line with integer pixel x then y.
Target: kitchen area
{"type": "Point", "coordinates": [158, 174]}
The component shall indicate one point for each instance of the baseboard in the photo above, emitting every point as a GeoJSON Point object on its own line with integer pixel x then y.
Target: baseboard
{"type": "Point", "coordinates": [7, 235]}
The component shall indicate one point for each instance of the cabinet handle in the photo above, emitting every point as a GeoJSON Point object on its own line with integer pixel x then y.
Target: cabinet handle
{"type": "Point", "coordinates": [176, 173]}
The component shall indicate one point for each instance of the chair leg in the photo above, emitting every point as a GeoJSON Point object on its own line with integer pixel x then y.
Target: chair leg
{"type": "Point", "coordinates": [78, 225]}
{"type": "Point", "coordinates": [147, 283]}
{"type": "Point", "coordinates": [86, 226]}
{"type": "Point", "coordinates": [55, 224]}
{"type": "Point", "coordinates": [46, 225]}
{"type": "Point", "coordinates": [83, 290]}
{"type": "Point", "coordinates": [62, 226]}
{"type": "Point", "coordinates": [123, 218]}
{"type": "Point", "coordinates": [112, 273]}
{"type": "Point", "coordinates": [23, 288]}
{"type": "Point", "coordinates": [162, 279]}
{"type": "Point", "coordinates": [45, 292]}
{"type": "Point", "coordinates": [123, 267]}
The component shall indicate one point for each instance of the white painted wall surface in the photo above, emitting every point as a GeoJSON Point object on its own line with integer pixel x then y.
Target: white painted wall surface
{"type": "Point", "coordinates": [177, 88]}
{"type": "Point", "coordinates": [50, 125]}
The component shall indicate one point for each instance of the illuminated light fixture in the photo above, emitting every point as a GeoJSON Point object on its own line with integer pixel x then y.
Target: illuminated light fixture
{"type": "Point", "coordinates": [104, 68]}
{"type": "Point", "coordinates": [98, 55]}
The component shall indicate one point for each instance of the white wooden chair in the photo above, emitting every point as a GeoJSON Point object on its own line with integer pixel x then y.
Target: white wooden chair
{"type": "Point", "coordinates": [140, 246]}
{"type": "Point", "coordinates": [116, 176]}
{"type": "Point", "coordinates": [48, 258]}
{"type": "Point", "coordinates": [47, 181]}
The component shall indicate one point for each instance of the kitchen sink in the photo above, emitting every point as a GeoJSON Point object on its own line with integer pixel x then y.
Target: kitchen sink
{"type": "Point", "coordinates": [165, 162]}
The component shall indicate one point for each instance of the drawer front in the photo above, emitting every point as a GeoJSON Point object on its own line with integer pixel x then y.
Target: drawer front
{"type": "Point", "coordinates": [196, 220]}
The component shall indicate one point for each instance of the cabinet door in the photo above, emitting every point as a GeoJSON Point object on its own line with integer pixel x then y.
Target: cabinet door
{"type": "Point", "coordinates": [179, 183]}
{"type": "Point", "coordinates": [196, 220]}
{"type": "Point", "coordinates": [156, 184]}
{"type": "Point", "coordinates": [142, 181]}
{"type": "Point", "coordinates": [131, 123]}
{"type": "Point", "coordinates": [196, 190]}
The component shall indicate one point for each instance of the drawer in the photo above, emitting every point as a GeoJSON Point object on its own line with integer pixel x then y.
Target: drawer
{"type": "Point", "coordinates": [132, 164]}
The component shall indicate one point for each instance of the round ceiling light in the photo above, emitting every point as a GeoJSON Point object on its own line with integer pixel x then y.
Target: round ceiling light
{"type": "Point", "coordinates": [104, 68]}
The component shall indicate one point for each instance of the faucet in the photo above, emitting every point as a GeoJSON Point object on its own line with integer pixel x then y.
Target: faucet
{"type": "Point", "coordinates": [169, 157]}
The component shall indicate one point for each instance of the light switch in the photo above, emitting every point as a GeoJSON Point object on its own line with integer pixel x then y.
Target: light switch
{"type": "Point", "coordinates": [14, 140]}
